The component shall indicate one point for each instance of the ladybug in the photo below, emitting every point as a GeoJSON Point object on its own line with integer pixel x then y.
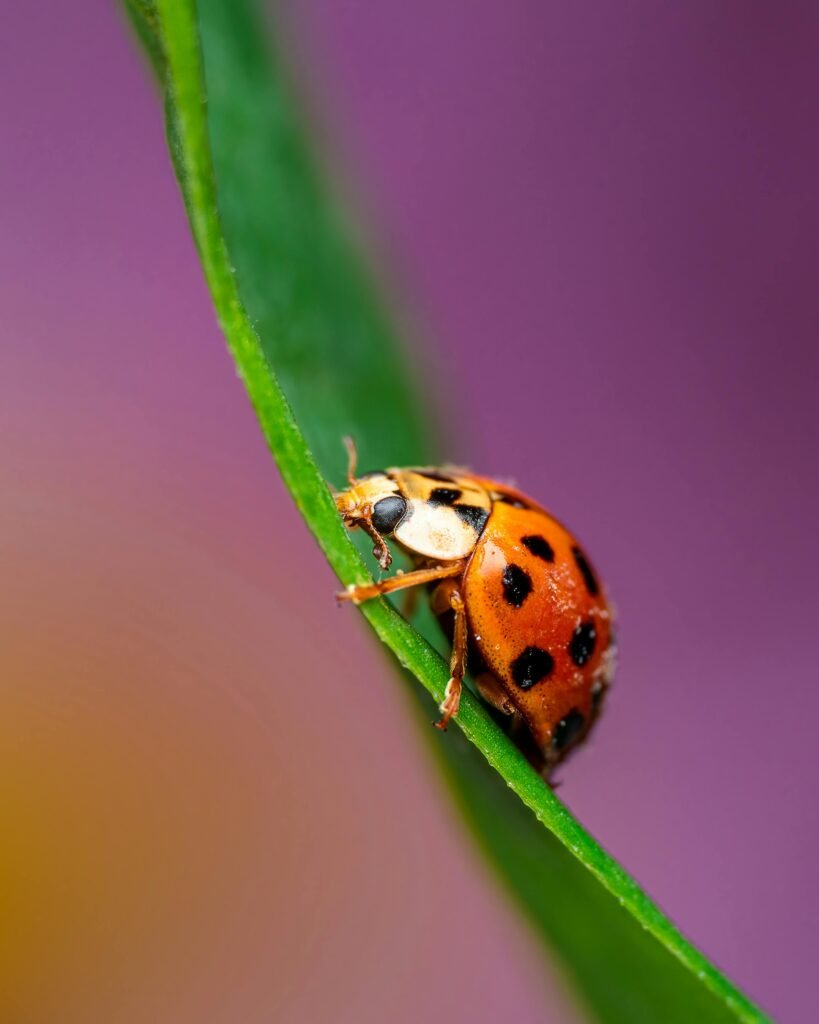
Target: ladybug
{"type": "Point", "coordinates": [515, 591]}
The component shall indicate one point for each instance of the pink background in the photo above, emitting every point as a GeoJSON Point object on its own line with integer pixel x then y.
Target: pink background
{"type": "Point", "coordinates": [215, 806]}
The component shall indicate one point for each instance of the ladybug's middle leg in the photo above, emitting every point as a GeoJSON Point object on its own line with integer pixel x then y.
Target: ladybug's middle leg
{"type": "Point", "coordinates": [409, 604]}
{"type": "Point", "coordinates": [447, 597]}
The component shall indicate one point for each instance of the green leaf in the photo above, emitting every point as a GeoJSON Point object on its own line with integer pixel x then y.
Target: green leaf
{"type": "Point", "coordinates": [319, 358]}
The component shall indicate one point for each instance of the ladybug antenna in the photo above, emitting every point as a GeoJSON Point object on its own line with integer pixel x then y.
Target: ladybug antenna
{"type": "Point", "coordinates": [352, 459]}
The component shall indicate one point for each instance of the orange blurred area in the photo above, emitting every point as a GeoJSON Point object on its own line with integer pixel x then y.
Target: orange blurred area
{"type": "Point", "coordinates": [199, 775]}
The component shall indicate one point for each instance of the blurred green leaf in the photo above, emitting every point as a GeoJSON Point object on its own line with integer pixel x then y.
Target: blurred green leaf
{"type": "Point", "coordinates": [319, 357]}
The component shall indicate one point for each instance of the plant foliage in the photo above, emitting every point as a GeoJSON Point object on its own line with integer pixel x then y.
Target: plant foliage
{"type": "Point", "coordinates": [316, 349]}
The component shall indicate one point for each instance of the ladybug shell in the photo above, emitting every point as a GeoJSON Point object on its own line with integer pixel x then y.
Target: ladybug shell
{"type": "Point", "coordinates": [540, 621]}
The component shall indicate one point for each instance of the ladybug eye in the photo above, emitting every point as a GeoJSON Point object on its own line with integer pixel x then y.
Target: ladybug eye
{"type": "Point", "coordinates": [388, 513]}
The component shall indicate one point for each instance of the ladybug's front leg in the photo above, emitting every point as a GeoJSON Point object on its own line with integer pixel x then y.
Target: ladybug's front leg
{"type": "Point", "coordinates": [400, 581]}
{"type": "Point", "coordinates": [448, 596]}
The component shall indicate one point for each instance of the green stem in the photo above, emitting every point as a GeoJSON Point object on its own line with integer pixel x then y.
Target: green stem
{"type": "Point", "coordinates": [177, 32]}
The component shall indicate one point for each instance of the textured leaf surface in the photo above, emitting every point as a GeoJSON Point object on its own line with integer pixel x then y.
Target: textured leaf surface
{"type": "Point", "coordinates": [319, 357]}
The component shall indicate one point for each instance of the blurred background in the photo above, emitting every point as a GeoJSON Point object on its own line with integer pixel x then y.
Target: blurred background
{"type": "Point", "coordinates": [605, 223]}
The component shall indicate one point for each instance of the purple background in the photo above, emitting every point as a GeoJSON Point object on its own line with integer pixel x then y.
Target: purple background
{"type": "Point", "coordinates": [607, 219]}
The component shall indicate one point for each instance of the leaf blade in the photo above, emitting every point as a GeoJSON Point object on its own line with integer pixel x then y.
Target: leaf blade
{"type": "Point", "coordinates": [322, 295]}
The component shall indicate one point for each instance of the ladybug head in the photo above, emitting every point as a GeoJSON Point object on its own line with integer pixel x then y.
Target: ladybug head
{"type": "Point", "coordinates": [374, 503]}
{"type": "Point", "coordinates": [430, 513]}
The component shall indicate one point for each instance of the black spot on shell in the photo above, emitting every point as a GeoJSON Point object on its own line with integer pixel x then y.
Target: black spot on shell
{"type": "Point", "coordinates": [472, 515]}
{"type": "Point", "coordinates": [507, 499]}
{"type": "Point", "coordinates": [532, 665]}
{"type": "Point", "coordinates": [567, 730]}
{"type": "Point", "coordinates": [388, 513]}
{"type": "Point", "coordinates": [586, 572]}
{"type": "Point", "coordinates": [444, 496]}
{"type": "Point", "coordinates": [581, 645]}
{"type": "Point", "coordinates": [539, 546]}
{"type": "Point", "coordinates": [517, 585]}
{"type": "Point", "coordinates": [430, 474]}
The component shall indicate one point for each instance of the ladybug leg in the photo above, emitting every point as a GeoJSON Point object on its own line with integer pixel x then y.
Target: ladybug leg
{"type": "Point", "coordinates": [400, 581]}
{"type": "Point", "coordinates": [457, 665]}
{"type": "Point", "coordinates": [409, 605]}
{"type": "Point", "coordinates": [493, 693]}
